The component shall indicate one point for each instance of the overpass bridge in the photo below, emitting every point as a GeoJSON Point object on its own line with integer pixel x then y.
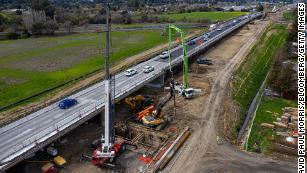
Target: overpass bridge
{"type": "Point", "coordinates": [20, 139]}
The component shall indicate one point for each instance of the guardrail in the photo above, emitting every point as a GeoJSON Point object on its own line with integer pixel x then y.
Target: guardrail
{"type": "Point", "coordinates": [83, 114]}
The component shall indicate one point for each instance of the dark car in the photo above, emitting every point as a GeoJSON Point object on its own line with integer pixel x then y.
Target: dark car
{"type": "Point", "coordinates": [67, 103]}
{"type": "Point", "coordinates": [204, 61]}
{"type": "Point", "coordinates": [191, 42]}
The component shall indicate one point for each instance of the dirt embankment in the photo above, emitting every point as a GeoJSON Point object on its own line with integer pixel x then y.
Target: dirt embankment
{"type": "Point", "coordinates": [49, 98]}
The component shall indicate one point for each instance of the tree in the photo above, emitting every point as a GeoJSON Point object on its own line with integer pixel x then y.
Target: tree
{"type": "Point", "coordinates": [282, 76]}
{"type": "Point", "coordinates": [39, 4]}
{"type": "Point", "coordinates": [43, 5]}
{"type": "Point", "coordinates": [18, 12]}
{"type": "Point", "coordinates": [44, 28]}
{"type": "Point", "coordinates": [133, 4]}
{"type": "Point", "coordinates": [50, 27]}
{"type": "Point", "coordinates": [102, 11]}
{"type": "Point", "coordinates": [37, 28]}
{"type": "Point", "coordinates": [231, 10]}
{"type": "Point", "coordinates": [259, 7]}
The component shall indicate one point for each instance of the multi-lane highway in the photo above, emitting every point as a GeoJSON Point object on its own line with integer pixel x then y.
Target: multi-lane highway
{"type": "Point", "coordinates": [25, 136]}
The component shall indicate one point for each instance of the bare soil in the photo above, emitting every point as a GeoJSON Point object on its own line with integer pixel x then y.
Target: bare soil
{"type": "Point", "coordinates": [210, 116]}
{"type": "Point", "coordinates": [216, 114]}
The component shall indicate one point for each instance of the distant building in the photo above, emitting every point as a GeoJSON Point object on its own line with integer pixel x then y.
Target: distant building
{"type": "Point", "coordinates": [239, 8]}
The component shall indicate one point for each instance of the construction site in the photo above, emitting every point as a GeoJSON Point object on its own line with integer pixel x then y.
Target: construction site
{"type": "Point", "coordinates": [178, 125]}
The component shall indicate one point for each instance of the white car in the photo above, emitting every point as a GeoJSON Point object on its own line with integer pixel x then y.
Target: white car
{"type": "Point", "coordinates": [219, 29]}
{"type": "Point", "coordinates": [164, 55]}
{"type": "Point", "coordinates": [148, 69]}
{"type": "Point", "coordinates": [130, 72]}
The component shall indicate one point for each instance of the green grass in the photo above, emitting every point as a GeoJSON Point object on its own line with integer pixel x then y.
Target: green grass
{"type": "Point", "coordinates": [249, 77]}
{"type": "Point", "coordinates": [140, 25]}
{"type": "Point", "coordinates": [58, 50]}
{"type": "Point", "coordinates": [288, 15]}
{"type": "Point", "coordinates": [269, 109]}
{"type": "Point", "coordinates": [212, 16]}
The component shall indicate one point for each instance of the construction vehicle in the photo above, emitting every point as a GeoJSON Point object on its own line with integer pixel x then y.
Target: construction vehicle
{"type": "Point", "coordinates": [184, 89]}
{"type": "Point", "coordinates": [49, 168]}
{"type": "Point", "coordinates": [59, 161]}
{"type": "Point", "coordinates": [51, 165]}
{"type": "Point", "coordinates": [151, 116]}
{"type": "Point", "coordinates": [138, 102]}
{"type": "Point", "coordinates": [110, 146]}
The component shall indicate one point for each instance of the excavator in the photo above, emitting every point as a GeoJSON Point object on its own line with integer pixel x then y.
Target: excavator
{"type": "Point", "coordinates": [151, 116]}
{"type": "Point", "coordinates": [138, 102]}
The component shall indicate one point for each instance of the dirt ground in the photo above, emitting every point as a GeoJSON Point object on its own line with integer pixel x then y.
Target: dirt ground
{"type": "Point", "coordinates": [210, 117]}
{"type": "Point", "coordinates": [213, 116]}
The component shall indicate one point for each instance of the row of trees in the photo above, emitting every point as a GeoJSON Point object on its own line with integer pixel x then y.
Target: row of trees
{"type": "Point", "coordinates": [283, 76]}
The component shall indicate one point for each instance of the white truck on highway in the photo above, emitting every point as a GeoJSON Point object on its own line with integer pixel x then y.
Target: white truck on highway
{"type": "Point", "coordinates": [212, 27]}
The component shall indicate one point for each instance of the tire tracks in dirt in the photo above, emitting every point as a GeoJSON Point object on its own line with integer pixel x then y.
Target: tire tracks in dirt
{"type": "Point", "coordinates": [202, 154]}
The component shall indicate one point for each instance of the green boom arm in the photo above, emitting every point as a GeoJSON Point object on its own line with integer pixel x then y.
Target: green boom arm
{"type": "Point", "coordinates": [185, 58]}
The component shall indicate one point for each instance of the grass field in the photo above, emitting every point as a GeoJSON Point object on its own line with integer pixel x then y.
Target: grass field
{"type": "Point", "coordinates": [253, 71]}
{"type": "Point", "coordinates": [288, 15]}
{"type": "Point", "coordinates": [212, 16]}
{"type": "Point", "coordinates": [29, 66]}
{"type": "Point", "coordinates": [269, 109]}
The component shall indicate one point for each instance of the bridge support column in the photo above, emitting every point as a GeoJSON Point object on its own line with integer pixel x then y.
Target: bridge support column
{"type": "Point", "coordinates": [157, 83]}
{"type": "Point", "coordinates": [101, 118]}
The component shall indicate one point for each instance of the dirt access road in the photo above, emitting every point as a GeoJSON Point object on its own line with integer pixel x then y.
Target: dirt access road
{"type": "Point", "coordinates": [202, 153]}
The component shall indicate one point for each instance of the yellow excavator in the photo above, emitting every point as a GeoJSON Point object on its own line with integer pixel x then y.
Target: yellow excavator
{"type": "Point", "coordinates": [138, 102]}
{"type": "Point", "coordinates": [151, 115]}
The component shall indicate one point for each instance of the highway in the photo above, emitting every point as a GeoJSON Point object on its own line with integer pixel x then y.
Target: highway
{"type": "Point", "coordinates": [21, 138]}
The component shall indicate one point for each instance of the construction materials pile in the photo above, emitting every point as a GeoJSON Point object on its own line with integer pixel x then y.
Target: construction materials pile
{"type": "Point", "coordinates": [286, 124]}
{"type": "Point", "coordinates": [286, 127]}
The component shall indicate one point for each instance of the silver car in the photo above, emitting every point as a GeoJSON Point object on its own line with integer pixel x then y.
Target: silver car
{"type": "Point", "coordinates": [148, 69]}
{"type": "Point", "coordinates": [130, 72]}
{"type": "Point", "coordinates": [164, 55]}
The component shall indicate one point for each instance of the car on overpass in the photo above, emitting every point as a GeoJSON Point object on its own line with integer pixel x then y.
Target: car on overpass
{"type": "Point", "coordinates": [207, 35]}
{"type": "Point", "coordinates": [148, 69]}
{"type": "Point", "coordinates": [67, 103]}
{"type": "Point", "coordinates": [130, 72]}
{"type": "Point", "coordinates": [164, 55]}
{"type": "Point", "coordinates": [191, 43]}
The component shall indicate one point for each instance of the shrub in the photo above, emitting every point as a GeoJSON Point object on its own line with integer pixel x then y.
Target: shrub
{"type": "Point", "coordinates": [13, 36]}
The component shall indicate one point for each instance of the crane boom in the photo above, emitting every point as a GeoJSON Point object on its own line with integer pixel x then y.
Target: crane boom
{"type": "Point", "coordinates": [106, 147]}
{"type": "Point", "coordinates": [184, 52]}
{"type": "Point", "coordinates": [184, 89]}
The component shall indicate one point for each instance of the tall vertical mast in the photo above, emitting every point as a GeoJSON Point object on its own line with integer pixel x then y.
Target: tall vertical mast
{"type": "Point", "coordinates": [106, 147]}
{"type": "Point", "coordinates": [107, 86]}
